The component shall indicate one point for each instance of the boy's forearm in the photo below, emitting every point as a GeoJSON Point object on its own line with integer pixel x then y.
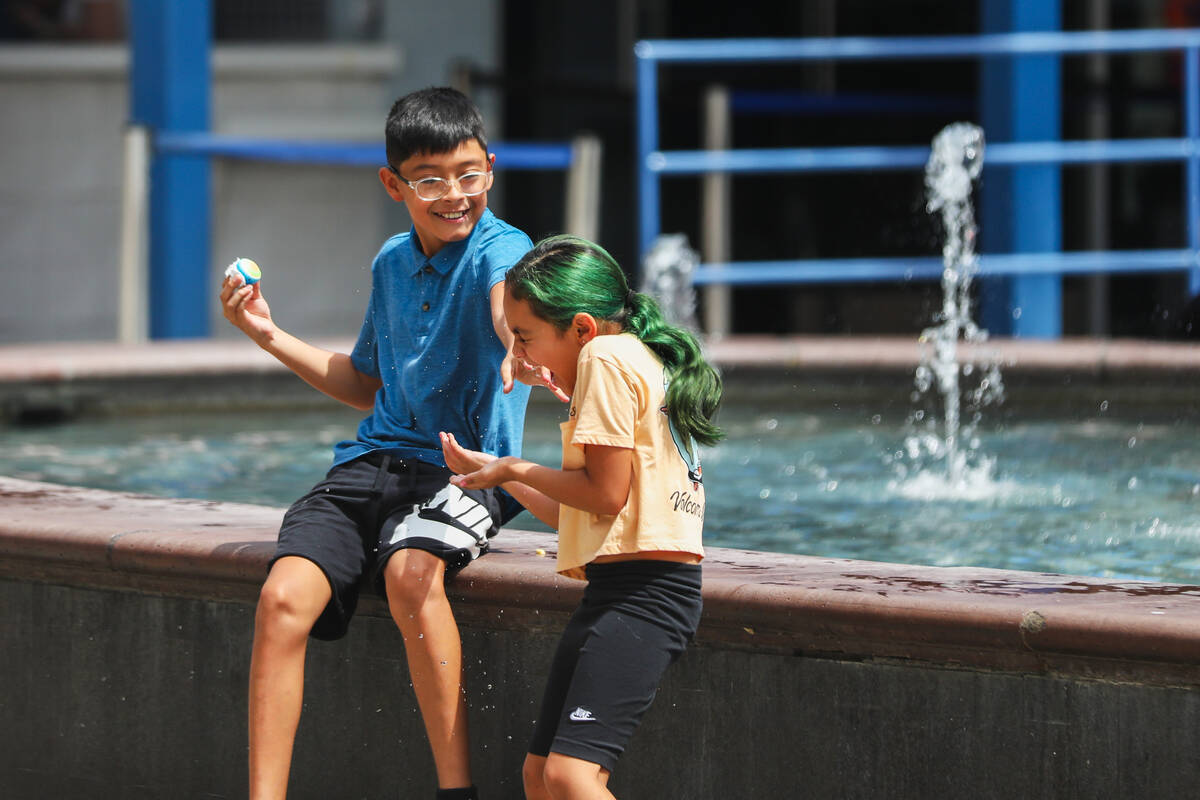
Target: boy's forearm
{"type": "Point", "coordinates": [499, 324]}
{"type": "Point", "coordinates": [329, 372]}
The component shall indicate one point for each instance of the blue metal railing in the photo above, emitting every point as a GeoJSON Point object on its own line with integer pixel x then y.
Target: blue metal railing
{"type": "Point", "coordinates": [509, 155]}
{"type": "Point", "coordinates": [654, 163]}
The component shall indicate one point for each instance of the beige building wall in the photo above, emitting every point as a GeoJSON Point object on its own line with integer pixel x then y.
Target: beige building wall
{"type": "Point", "coordinates": [314, 229]}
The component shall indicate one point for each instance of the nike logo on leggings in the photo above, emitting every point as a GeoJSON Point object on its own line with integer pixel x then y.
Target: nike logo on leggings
{"type": "Point", "coordinates": [581, 714]}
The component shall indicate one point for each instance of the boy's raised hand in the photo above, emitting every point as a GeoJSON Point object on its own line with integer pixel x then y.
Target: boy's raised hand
{"type": "Point", "coordinates": [245, 307]}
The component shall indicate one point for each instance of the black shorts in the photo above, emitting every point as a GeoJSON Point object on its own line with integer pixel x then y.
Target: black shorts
{"type": "Point", "coordinates": [635, 619]}
{"type": "Point", "coordinates": [365, 510]}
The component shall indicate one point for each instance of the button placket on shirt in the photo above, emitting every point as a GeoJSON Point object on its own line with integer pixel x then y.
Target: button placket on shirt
{"type": "Point", "coordinates": [425, 284]}
{"type": "Point", "coordinates": [427, 270]}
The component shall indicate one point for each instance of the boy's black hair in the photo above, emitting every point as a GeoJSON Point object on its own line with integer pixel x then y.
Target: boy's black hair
{"type": "Point", "coordinates": [433, 120]}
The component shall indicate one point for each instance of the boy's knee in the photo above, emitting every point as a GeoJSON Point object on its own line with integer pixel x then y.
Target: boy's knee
{"type": "Point", "coordinates": [285, 602]}
{"type": "Point", "coordinates": [414, 578]}
{"type": "Point", "coordinates": [278, 600]}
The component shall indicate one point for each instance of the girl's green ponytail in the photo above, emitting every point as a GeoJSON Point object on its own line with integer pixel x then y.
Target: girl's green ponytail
{"type": "Point", "coordinates": [694, 393]}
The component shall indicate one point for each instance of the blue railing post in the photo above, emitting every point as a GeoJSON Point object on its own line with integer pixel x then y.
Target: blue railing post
{"type": "Point", "coordinates": [169, 92]}
{"type": "Point", "coordinates": [647, 142]}
{"type": "Point", "coordinates": [1021, 207]}
{"type": "Point", "coordinates": [1191, 105]}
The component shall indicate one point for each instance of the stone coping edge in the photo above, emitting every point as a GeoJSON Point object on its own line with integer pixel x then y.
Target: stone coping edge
{"type": "Point", "coordinates": [772, 603]}
{"type": "Point", "coordinates": [70, 361]}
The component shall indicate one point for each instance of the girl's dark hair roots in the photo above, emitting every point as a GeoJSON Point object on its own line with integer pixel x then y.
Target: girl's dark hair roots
{"type": "Point", "coordinates": [566, 275]}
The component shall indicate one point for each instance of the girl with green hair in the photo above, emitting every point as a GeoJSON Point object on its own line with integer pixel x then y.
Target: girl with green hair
{"type": "Point", "coordinates": [628, 501]}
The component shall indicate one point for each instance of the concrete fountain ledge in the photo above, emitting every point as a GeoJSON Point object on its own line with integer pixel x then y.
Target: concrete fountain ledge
{"type": "Point", "coordinates": [68, 361]}
{"type": "Point", "coordinates": [1055, 625]}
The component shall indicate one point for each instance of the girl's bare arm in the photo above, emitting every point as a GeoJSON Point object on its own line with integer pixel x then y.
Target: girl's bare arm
{"type": "Point", "coordinates": [600, 486]}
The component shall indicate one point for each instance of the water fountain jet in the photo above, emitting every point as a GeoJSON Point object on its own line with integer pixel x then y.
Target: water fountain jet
{"type": "Point", "coordinates": [667, 277]}
{"type": "Point", "coordinates": [955, 162]}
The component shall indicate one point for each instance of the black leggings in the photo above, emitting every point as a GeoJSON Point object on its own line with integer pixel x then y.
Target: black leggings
{"type": "Point", "coordinates": [635, 619]}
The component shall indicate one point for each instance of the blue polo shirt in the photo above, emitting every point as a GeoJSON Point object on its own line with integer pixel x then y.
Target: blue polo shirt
{"type": "Point", "coordinates": [428, 337]}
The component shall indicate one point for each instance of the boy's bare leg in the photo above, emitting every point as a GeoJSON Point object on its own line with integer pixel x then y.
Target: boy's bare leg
{"type": "Point", "coordinates": [418, 603]}
{"type": "Point", "coordinates": [294, 595]}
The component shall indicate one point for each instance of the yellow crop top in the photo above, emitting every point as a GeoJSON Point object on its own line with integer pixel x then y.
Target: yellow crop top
{"type": "Point", "coordinates": [620, 401]}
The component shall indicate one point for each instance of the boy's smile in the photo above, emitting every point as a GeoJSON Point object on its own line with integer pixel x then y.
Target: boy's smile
{"type": "Point", "coordinates": [452, 217]}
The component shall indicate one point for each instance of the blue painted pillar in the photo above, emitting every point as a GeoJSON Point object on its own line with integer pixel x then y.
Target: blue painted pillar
{"type": "Point", "coordinates": [169, 80]}
{"type": "Point", "coordinates": [649, 185]}
{"type": "Point", "coordinates": [1021, 207]}
{"type": "Point", "coordinates": [1191, 105]}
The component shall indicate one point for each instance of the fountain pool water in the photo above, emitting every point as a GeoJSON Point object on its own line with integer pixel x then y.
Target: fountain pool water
{"type": "Point", "coordinates": [1102, 495]}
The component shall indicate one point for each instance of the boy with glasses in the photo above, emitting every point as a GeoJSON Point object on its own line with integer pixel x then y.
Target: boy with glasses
{"type": "Point", "coordinates": [425, 361]}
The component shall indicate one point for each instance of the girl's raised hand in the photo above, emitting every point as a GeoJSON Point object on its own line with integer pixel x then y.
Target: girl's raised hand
{"type": "Point", "coordinates": [491, 474]}
{"type": "Point", "coordinates": [459, 459]}
{"type": "Point", "coordinates": [473, 469]}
